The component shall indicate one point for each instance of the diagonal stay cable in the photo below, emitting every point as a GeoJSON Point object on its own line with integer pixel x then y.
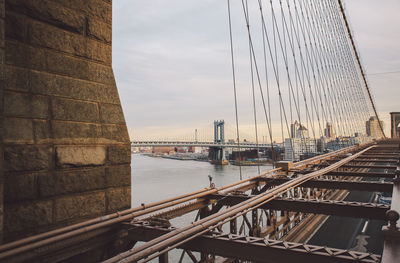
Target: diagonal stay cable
{"type": "Point", "coordinates": [234, 86]}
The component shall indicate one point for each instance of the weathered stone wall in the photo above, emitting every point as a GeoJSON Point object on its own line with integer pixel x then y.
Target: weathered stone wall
{"type": "Point", "coordinates": [2, 14]}
{"type": "Point", "coordinates": [66, 145]}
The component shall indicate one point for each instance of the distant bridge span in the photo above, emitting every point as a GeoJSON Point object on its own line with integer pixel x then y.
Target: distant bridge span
{"type": "Point", "coordinates": [197, 144]}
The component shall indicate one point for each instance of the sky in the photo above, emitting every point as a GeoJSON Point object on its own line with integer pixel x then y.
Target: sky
{"type": "Point", "coordinates": [172, 64]}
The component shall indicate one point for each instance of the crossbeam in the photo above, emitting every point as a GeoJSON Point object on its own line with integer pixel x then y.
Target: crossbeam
{"type": "Point", "coordinates": [362, 174]}
{"type": "Point", "coordinates": [326, 207]}
{"type": "Point", "coordinates": [253, 248]}
{"type": "Point", "coordinates": [391, 167]}
{"type": "Point", "coordinates": [391, 161]}
{"type": "Point", "coordinates": [335, 184]}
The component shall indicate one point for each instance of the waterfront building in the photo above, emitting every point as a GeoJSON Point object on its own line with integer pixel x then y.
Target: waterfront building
{"type": "Point", "coordinates": [295, 148]}
{"type": "Point", "coordinates": [300, 144]}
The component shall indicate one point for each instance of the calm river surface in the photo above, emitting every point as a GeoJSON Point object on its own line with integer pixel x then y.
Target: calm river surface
{"type": "Point", "coordinates": [155, 179]}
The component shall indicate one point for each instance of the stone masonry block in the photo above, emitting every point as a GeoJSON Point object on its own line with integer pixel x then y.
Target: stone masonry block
{"type": "Point", "coordinates": [49, 12]}
{"type": "Point", "coordinates": [66, 109]}
{"type": "Point", "coordinates": [99, 51]}
{"type": "Point", "coordinates": [111, 113]}
{"type": "Point", "coordinates": [119, 154]}
{"type": "Point", "coordinates": [99, 30]}
{"type": "Point", "coordinates": [43, 35]}
{"type": "Point", "coordinates": [26, 157]}
{"type": "Point", "coordinates": [66, 65]}
{"type": "Point", "coordinates": [94, 8]}
{"type": "Point", "coordinates": [2, 8]}
{"type": "Point", "coordinates": [118, 199]}
{"type": "Point", "coordinates": [45, 60]}
{"type": "Point", "coordinates": [2, 33]}
{"type": "Point", "coordinates": [42, 131]}
{"type": "Point", "coordinates": [20, 187]}
{"type": "Point", "coordinates": [80, 206]}
{"type": "Point", "coordinates": [117, 176]}
{"type": "Point", "coordinates": [100, 9]}
{"type": "Point", "coordinates": [101, 73]}
{"type": "Point", "coordinates": [75, 181]}
{"type": "Point", "coordinates": [18, 130]}
{"type": "Point", "coordinates": [24, 105]}
{"type": "Point", "coordinates": [115, 132]}
{"type": "Point", "coordinates": [2, 60]}
{"type": "Point", "coordinates": [15, 27]}
{"type": "Point", "coordinates": [77, 156]}
{"type": "Point", "coordinates": [50, 84]}
{"type": "Point", "coordinates": [17, 79]}
{"type": "Point", "coordinates": [25, 56]}
{"type": "Point", "coordinates": [67, 131]}
{"type": "Point", "coordinates": [27, 215]}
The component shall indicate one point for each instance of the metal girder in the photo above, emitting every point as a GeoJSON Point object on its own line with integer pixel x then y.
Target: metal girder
{"type": "Point", "coordinates": [373, 160]}
{"type": "Point", "coordinates": [380, 156]}
{"type": "Point", "coordinates": [363, 166]}
{"type": "Point", "coordinates": [326, 207]}
{"type": "Point", "coordinates": [70, 247]}
{"type": "Point", "coordinates": [362, 174]}
{"type": "Point", "coordinates": [253, 248]}
{"type": "Point", "coordinates": [336, 184]}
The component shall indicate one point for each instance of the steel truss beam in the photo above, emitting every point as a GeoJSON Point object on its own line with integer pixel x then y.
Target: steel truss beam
{"type": "Point", "coordinates": [391, 167]}
{"type": "Point", "coordinates": [364, 160]}
{"type": "Point", "coordinates": [253, 248]}
{"type": "Point", "coordinates": [381, 156]}
{"type": "Point", "coordinates": [362, 174]}
{"type": "Point", "coordinates": [326, 207]}
{"type": "Point", "coordinates": [335, 184]}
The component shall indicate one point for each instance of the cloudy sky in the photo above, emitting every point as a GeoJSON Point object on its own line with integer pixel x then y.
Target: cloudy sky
{"type": "Point", "coordinates": [172, 63]}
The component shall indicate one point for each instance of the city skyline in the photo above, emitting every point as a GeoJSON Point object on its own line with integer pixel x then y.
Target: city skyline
{"type": "Point", "coordinates": [179, 73]}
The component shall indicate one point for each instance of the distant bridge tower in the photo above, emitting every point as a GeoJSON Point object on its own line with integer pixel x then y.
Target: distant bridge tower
{"type": "Point", "coordinates": [217, 154]}
{"type": "Point", "coordinates": [219, 134]}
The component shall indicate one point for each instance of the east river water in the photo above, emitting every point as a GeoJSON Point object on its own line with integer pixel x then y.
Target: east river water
{"type": "Point", "coordinates": [155, 178]}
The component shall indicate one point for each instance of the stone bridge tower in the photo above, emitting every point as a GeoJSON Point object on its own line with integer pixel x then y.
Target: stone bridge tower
{"type": "Point", "coordinates": [63, 134]}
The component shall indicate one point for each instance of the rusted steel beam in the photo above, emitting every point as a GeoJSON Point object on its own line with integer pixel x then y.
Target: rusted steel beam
{"type": "Point", "coordinates": [372, 160]}
{"type": "Point", "coordinates": [382, 156]}
{"type": "Point", "coordinates": [362, 174]}
{"type": "Point", "coordinates": [69, 247]}
{"type": "Point", "coordinates": [254, 248]}
{"type": "Point", "coordinates": [363, 166]}
{"type": "Point", "coordinates": [336, 184]}
{"type": "Point", "coordinates": [326, 207]}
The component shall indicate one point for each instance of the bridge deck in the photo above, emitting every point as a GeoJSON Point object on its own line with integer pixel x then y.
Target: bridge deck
{"type": "Point", "coordinates": [258, 212]}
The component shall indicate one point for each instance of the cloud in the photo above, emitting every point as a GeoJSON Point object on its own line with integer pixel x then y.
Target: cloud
{"type": "Point", "coordinates": [172, 63]}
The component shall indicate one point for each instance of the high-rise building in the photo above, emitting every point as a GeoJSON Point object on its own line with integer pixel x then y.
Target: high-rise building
{"type": "Point", "coordinates": [299, 144]}
{"type": "Point", "coordinates": [373, 128]}
{"type": "Point", "coordinates": [293, 129]}
{"type": "Point", "coordinates": [328, 131]}
{"type": "Point", "coordinates": [297, 130]}
{"type": "Point", "coordinates": [395, 124]}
